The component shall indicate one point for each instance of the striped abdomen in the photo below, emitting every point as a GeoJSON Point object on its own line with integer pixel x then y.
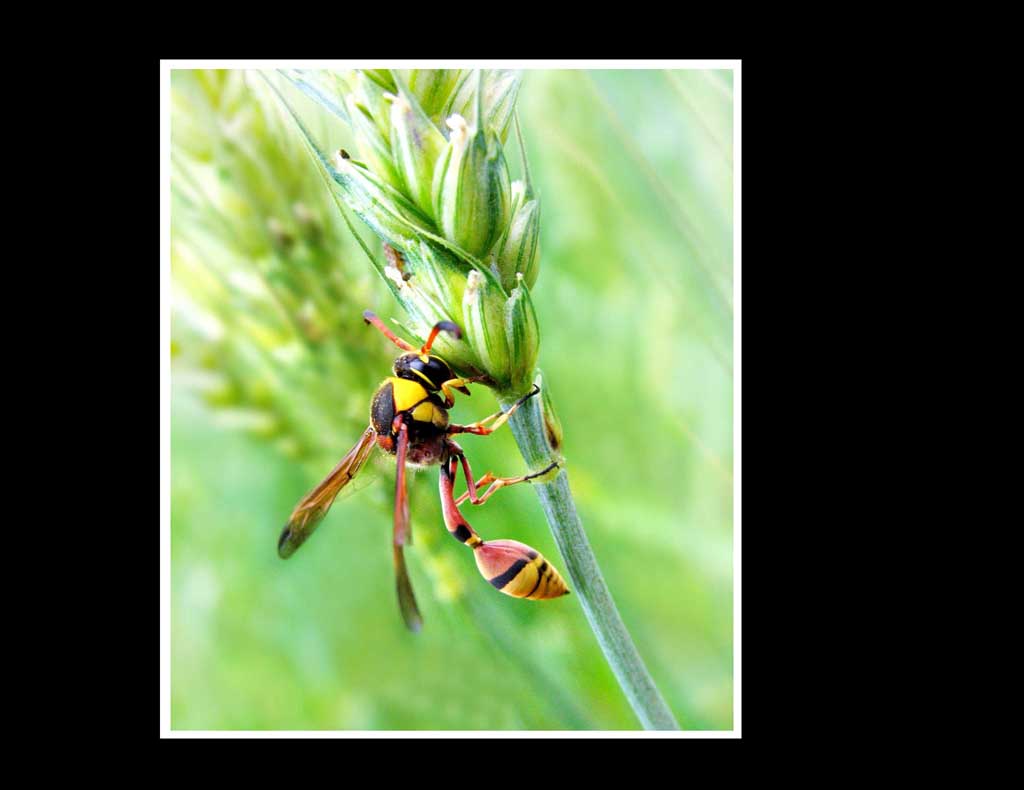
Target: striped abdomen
{"type": "Point", "coordinates": [517, 570]}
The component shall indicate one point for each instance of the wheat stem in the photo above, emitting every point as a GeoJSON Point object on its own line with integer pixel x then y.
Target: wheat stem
{"type": "Point", "coordinates": [587, 582]}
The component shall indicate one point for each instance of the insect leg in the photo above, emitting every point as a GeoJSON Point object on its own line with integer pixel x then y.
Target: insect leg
{"type": "Point", "coordinates": [453, 519]}
{"type": "Point", "coordinates": [510, 566]}
{"type": "Point", "coordinates": [497, 482]}
{"type": "Point", "coordinates": [402, 536]}
{"type": "Point", "coordinates": [456, 384]}
{"type": "Point", "coordinates": [499, 418]}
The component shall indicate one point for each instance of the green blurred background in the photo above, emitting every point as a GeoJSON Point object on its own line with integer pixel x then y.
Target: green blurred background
{"type": "Point", "coordinates": [273, 370]}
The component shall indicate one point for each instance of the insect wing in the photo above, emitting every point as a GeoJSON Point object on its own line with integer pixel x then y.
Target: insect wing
{"type": "Point", "coordinates": [406, 598]}
{"type": "Point", "coordinates": [402, 537]}
{"type": "Point", "coordinates": [314, 506]}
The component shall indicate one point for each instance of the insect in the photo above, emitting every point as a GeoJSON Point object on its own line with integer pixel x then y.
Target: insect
{"type": "Point", "coordinates": [409, 419]}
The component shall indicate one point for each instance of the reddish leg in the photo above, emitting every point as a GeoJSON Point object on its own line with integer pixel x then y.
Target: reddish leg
{"type": "Point", "coordinates": [499, 417]}
{"type": "Point", "coordinates": [497, 482]}
{"type": "Point", "coordinates": [453, 519]}
{"type": "Point", "coordinates": [508, 565]}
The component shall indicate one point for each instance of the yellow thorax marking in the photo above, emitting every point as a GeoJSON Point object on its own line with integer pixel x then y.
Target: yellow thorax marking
{"type": "Point", "coordinates": [428, 412]}
{"type": "Point", "coordinates": [406, 393]}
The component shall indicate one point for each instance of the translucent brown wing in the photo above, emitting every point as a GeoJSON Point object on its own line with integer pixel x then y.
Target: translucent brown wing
{"type": "Point", "coordinates": [403, 537]}
{"type": "Point", "coordinates": [314, 506]}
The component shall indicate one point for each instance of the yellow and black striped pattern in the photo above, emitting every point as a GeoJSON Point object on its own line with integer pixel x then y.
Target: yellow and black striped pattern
{"type": "Point", "coordinates": [510, 566]}
{"type": "Point", "coordinates": [517, 570]}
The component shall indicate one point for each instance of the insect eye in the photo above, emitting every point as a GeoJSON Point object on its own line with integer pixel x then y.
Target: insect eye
{"type": "Point", "coordinates": [439, 371]}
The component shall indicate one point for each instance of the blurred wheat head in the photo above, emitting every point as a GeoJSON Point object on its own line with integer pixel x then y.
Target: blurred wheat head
{"type": "Point", "coordinates": [268, 285]}
{"type": "Point", "coordinates": [268, 289]}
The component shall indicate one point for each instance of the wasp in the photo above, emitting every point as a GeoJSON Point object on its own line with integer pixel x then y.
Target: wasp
{"type": "Point", "coordinates": [409, 419]}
